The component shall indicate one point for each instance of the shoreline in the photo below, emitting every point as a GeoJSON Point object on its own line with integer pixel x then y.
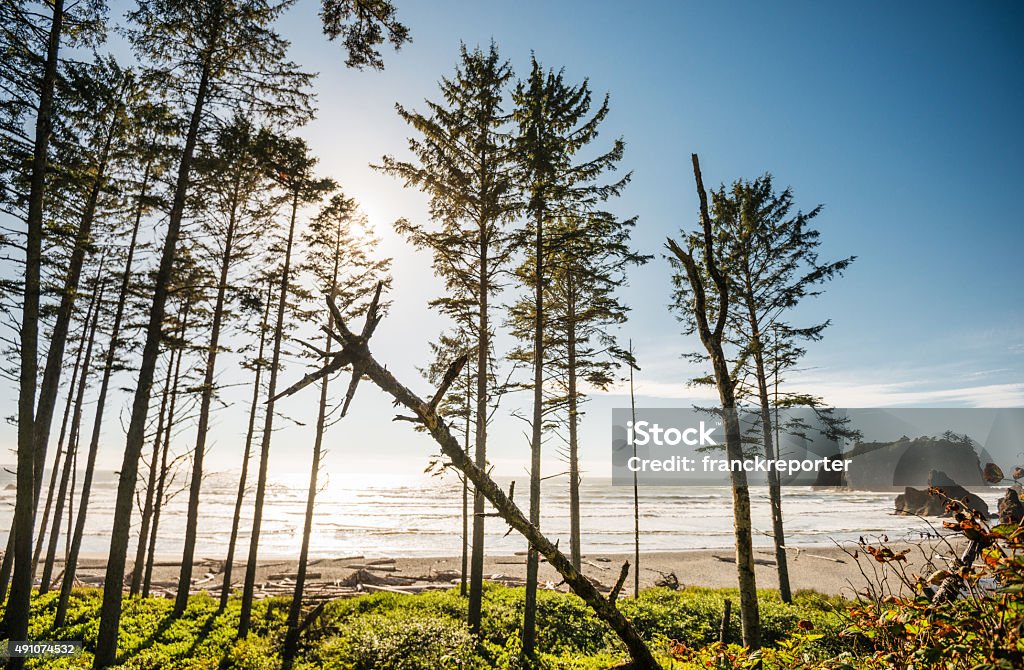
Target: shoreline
{"type": "Point", "coordinates": [826, 569]}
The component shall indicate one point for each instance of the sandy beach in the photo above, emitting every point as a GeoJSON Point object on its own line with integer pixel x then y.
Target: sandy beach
{"type": "Point", "coordinates": [824, 569]}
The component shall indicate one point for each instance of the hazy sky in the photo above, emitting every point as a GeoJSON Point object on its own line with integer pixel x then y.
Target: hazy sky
{"type": "Point", "coordinates": [905, 121]}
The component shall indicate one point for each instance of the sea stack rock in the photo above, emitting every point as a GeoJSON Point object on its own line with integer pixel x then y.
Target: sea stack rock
{"type": "Point", "coordinates": [1010, 508]}
{"type": "Point", "coordinates": [919, 502]}
{"type": "Point", "coordinates": [878, 466]}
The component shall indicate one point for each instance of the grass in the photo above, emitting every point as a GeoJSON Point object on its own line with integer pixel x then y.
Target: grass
{"type": "Point", "coordinates": [418, 632]}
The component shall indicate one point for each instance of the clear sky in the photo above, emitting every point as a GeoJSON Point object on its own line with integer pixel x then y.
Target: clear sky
{"type": "Point", "coordinates": [904, 119]}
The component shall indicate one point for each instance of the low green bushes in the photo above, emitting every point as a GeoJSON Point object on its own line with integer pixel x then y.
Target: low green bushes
{"type": "Point", "coordinates": [418, 632]}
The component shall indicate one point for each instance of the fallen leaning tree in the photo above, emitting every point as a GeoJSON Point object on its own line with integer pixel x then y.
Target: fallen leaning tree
{"type": "Point", "coordinates": [355, 352]}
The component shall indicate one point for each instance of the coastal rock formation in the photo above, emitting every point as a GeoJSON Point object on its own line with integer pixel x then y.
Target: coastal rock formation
{"type": "Point", "coordinates": [910, 462]}
{"type": "Point", "coordinates": [833, 476]}
{"type": "Point", "coordinates": [919, 502]}
{"type": "Point", "coordinates": [1010, 508]}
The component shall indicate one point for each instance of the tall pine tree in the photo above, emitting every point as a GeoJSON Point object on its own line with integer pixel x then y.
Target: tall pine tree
{"type": "Point", "coordinates": [294, 166]}
{"type": "Point", "coordinates": [233, 177]}
{"type": "Point", "coordinates": [340, 248]}
{"type": "Point", "coordinates": [555, 123]}
{"type": "Point", "coordinates": [773, 265]}
{"type": "Point", "coordinates": [214, 53]}
{"type": "Point", "coordinates": [32, 40]}
{"type": "Point", "coordinates": [462, 162]}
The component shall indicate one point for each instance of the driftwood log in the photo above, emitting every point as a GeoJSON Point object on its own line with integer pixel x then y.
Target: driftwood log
{"type": "Point", "coordinates": [355, 352]}
{"type": "Point", "coordinates": [723, 631]}
{"type": "Point", "coordinates": [950, 587]}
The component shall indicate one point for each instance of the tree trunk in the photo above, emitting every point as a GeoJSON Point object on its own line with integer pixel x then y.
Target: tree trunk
{"type": "Point", "coordinates": [55, 355]}
{"type": "Point", "coordinates": [92, 319]}
{"type": "Point", "coordinates": [463, 584]}
{"type": "Point", "coordinates": [58, 341]}
{"type": "Point", "coordinates": [532, 558]}
{"type": "Point", "coordinates": [161, 485]}
{"type": "Point", "coordinates": [52, 489]}
{"type": "Point", "coordinates": [115, 334]}
{"type": "Point", "coordinates": [192, 520]}
{"type": "Point", "coordinates": [139, 566]}
{"type": "Point", "coordinates": [574, 449]}
{"type": "Point", "coordinates": [71, 504]}
{"type": "Point", "coordinates": [774, 483]}
{"type": "Point", "coordinates": [749, 614]}
{"type": "Point", "coordinates": [243, 476]}
{"type": "Point", "coordinates": [268, 428]}
{"type": "Point", "coordinates": [291, 640]}
{"type": "Point", "coordinates": [15, 622]}
{"type": "Point", "coordinates": [476, 567]}
{"type": "Point", "coordinates": [106, 641]}
{"type": "Point", "coordinates": [71, 562]}
{"type": "Point", "coordinates": [636, 486]}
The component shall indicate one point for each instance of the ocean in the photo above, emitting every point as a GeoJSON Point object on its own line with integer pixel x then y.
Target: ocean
{"type": "Point", "coordinates": [376, 517]}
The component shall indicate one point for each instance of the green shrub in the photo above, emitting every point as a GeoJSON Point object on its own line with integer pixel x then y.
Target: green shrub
{"type": "Point", "coordinates": [397, 640]}
{"type": "Point", "coordinates": [428, 630]}
{"type": "Point", "coordinates": [253, 653]}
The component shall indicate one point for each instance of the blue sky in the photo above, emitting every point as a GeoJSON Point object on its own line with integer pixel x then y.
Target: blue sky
{"type": "Point", "coordinates": [903, 120]}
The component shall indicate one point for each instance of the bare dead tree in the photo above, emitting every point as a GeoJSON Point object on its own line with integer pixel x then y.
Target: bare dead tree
{"type": "Point", "coordinates": [711, 336]}
{"type": "Point", "coordinates": [355, 352]}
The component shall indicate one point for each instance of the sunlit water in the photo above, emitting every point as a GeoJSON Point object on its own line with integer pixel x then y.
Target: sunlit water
{"type": "Point", "coordinates": [422, 517]}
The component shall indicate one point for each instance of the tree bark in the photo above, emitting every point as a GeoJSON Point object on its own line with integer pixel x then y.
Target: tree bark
{"type": "Point", "coordinates": [268, 428]}
{"type": "Point", "coordinates": [243, 476]}
{"type": "Point", "coordinates": [106, 641]}
{"type": "Point", "coordinates": [15, 622]}
{"type": "Point", "coordinates": [55, 355]}
{"type": "Point", "coordinates": [636, 487]}
{"type": "Point", "coordinates": [476, 566]}
{"type": "Point", "coordinates": [70, 564]}
{"type": "Point", "coordinates": [50, 384]}
{"type": "Point", "coordinates": [139, 566]}
{"type": "Point", "coordinates": [749, 614]}
{"type": "Point", "coordinates": [774, 483]}
{"type": "Point", "coordinates": [61, 444]}
{"type": "Point", "coordinates": [574, 448]}
{"type": "Point", "coordinates": [172, 407]}
{"type": "Point", "coordinates": [92, 318]}
{"type": "Point", "coordinates": [532, 558]}
{"type": "Point", "coordinates": [71, 505]}
{"type": "Point", "coordinates": [192, 520]}
{"type": "Point", "coordinates": [463, 584]}
{"type": "Point", "coordinates": [291, 640]}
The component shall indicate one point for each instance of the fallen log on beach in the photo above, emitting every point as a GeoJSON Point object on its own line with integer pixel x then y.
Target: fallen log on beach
{"type": "Point", "coordinates": [293, 576]}
{"type": "Point", "coordinates": [370, 566]}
